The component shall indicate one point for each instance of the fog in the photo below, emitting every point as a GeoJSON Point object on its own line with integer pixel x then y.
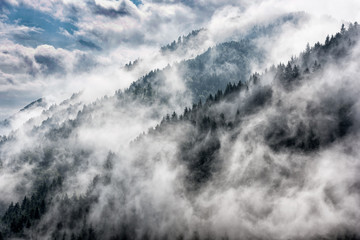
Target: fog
{"type": "Point", "coordinates": [281, 162]}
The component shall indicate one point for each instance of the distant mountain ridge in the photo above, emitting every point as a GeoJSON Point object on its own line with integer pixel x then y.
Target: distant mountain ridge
{"type": "Point", "coordinates": [247, 147]}
{"type": "Point", "coordinates": [37, 103]}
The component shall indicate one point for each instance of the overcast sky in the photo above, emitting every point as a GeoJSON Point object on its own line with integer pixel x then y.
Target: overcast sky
{"type": "Point", "coordinates": [52, 48]}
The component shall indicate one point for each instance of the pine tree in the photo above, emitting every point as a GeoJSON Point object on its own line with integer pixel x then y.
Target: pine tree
{"type": "Point", "coordinates": [327, 40]}
{"type": "Point", "coordinates": [174, 116]}
{"type": "Point", "coordinates": [288, 72]}
{"type": "Point", "coordinates": [343, 30]}
{"type": "Point", "coordinates": [295, 72]}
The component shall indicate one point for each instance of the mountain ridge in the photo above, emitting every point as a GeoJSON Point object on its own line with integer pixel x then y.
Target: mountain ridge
{"type": "Point", "coordinates": [193, 149]}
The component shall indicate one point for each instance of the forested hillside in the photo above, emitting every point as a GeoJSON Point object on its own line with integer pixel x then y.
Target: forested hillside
{"type": "Point", "coordinates": [214, 69]}
{"type": "Point", "coordinates": [253, 157]}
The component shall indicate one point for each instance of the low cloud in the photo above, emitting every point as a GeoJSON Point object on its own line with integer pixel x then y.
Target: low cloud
{"type": "Point", "coordinates": [261, 186]}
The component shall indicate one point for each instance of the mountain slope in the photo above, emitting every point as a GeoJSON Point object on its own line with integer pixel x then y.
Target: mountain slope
{"type": "Point", "coordinates": [255, 160]}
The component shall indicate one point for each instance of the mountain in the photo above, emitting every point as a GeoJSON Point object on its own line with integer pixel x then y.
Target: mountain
{"type": "Point", "coordinates": [183, 43]}
{"type": "Point", "coordinates": [38, 103]}
{"type": "Point", "coordinates": [254, 157]}
{"type": "Point", "coordinates": [205, 74]}
{"type": "Point", "coordinates": [197, 39]}
{"type": "Point", "coordinates": [31, 110]}
{"type": "Point", "coordinates": [204, 70]}
{"type": "Point", "coordinates": [211, 70]}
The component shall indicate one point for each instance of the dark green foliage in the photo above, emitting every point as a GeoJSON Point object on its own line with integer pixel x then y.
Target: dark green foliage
{"type": "Point", "coordinates": [257, 100]}
{"type": "Point", "coordinates": [23, 215]}
{"type": "Point", "coordinates": [214, 69]}
{"type": "Point", "coordinates": [209, 73]}
{"type": "Point", "coordinates": [144, 89]}
{"type": "Point", "coordinates": [71, 216]}
{"type": "Point", "coordinates": [206, 74]}
{"type": "Point", "coordinates": [330, 121]}
{"type": "Point", "coordinates": [329, 124]}
{"type": "Point", "coordinates": [199, 151]}
{"type": "Point", "coordinates": [131, 65]}
{"type": "Point", "coordinates": [335, 48]}
{"type": "Point", "coordinates": [182, 42]}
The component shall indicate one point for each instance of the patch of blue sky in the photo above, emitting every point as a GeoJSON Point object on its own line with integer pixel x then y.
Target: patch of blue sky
{"type": "Point", "coordinates": [49, 30]}
{"type": "Point", "coordinates": [136, 2]}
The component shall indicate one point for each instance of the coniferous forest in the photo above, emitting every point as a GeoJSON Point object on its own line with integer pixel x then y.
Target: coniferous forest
{"type": "Point", "coordinates": [225, 131]}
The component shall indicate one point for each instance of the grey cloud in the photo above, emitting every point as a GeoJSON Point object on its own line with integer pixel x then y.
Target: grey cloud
{"type": "Point", "coordinates": [251, 192]}
{"type": "Point", "coordinates": [49, 64]}
{"type": "Point", "coordinates": [89, 44]}
{"type": "Point", "coordinates": [43, 60]}
{"type": "Point", "coordinates": [122, 10]}
{"type": "Point", "coordinates": [25, 63]}
{"type": "Point", "coordinates": [22, 70]}
{"type": "Point", "coordinates": [85, 63]}
{"type": "Point", "coordinates": [255, 190]}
